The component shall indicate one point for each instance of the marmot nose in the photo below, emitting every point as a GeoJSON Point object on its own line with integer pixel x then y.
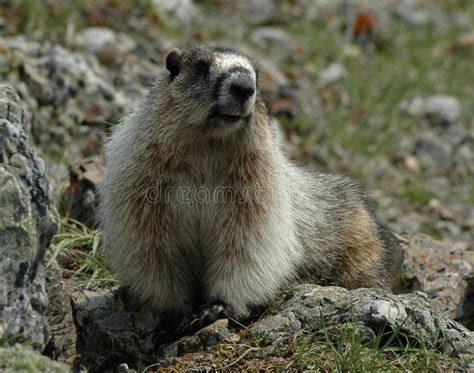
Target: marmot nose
{"type": "Point", "coordinates": [242, 90]}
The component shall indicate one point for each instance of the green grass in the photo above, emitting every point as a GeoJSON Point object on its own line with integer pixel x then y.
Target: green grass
{"type": "Point", "coordinates": [416, 194]}
{"type": "Point", "coordinates": [52, 17]}
{"type": "Point", "coordinates": [341, 349]}
{"type": "Point", "coordinates": [77, 249]}
{"type": "Point", "coordinates": [370, 122]}
{"type": "Point", "coordinates": [58, 20]}
{"type": "Point", "coordinates": [332, 348]}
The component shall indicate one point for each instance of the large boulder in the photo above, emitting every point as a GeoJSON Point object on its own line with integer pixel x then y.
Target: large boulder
{"type": "Point", "coordinates": [442, 271]}
{"type": "Point", "coordinates": [28, 221]}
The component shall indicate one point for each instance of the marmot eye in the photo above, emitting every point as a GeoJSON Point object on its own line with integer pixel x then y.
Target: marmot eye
{"type": "Point", "coordinates": [202, 67]}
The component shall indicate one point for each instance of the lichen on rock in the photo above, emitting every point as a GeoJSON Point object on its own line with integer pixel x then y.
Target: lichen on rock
{"type": "Point", "coordinates": [27, 224]}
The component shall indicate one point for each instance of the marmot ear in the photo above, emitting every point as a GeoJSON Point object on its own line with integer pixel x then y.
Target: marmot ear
{"type": "Point", "coordinates": [173, 62]}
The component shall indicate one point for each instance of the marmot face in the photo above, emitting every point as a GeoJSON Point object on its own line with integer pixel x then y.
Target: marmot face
{"type": "Point", "coordinates": [213, 88]}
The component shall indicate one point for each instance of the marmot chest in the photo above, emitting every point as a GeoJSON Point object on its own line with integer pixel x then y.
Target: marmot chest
{"type": "Point", "coordinates": [211, 197]}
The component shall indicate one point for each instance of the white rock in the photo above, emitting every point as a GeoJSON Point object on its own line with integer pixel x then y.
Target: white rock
{"type": "Point", "coordinates": [334, 73]}
{"type": "Point", "coordinates": [438, 109]}
{"type": "Point", "coordinates": [351, 50]}
{"type": "Point", "coordinates": [413, 107]}
{"type": "Point", "coordinates": [96, 40]}
{"type": "Point", "coordinates": [446, 108]}
{"type": "Point", "coordinates": [384, 311]}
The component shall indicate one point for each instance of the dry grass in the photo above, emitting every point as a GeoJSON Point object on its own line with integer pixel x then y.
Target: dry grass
{"type": "Point", "coordinates": [77, 249]}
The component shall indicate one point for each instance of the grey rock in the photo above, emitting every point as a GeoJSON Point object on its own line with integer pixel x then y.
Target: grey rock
{"type": "Point", "coordinates": [27, 224]}
{"type": "Point", "coordinates": [418, 14]}
{"type": "Point", "coordinates": [215, 333]}
{"type": "Point", "coordinates": [102, 321]}
{"type": "Point", "coordinates": [333, 73]}
{"type": "Point", "coordinates": [282, 94]}
{"type": "Point", "coordinates": [79, 200]}
{"type": "Point", "coordinates": [411, 314]}
{"type": "Point", "coordinates": [444, 150]}
{"type": "Point", "coordinates": [67, 95]}
{"type": "Point", "coordinates": [442, 109]}
{"type": "Point", "coordinates": [181, 12]}
{"type": "Point", "coordinates": [438, 269]}
{"type": "Point", "coordinates": [22, 43]}
{"type": "Point", "coordinates": [72, 97]}
{"type": "Point", "coordinates": [467, 216]}
{"type": "Point", "coordinates": [433, 151]}
{"type": "Point", "coordinates": [205, 338]}
{"type": "Point", "coordinates": [108, 334]}
{"type": "Point", "coordinates": [99, 40]}
{"type": "Point", "coordinates": [436, 110]}
{"type": "Point", "coordinates": [409, 222]}
{"type": "Point", "coordinates": [463, 154]}
{"type": "Point", "coordinates": [411, 13]}
{"type": "Point", "coordinates": [274, 40]}
{"type": "Point", "coordinates": [259, 12]}
{"type": "Point", "coordinates": [95, 39]}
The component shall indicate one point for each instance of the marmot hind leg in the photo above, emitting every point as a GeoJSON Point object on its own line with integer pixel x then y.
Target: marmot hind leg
{"type": "Point", "coordinates": [370, 257]}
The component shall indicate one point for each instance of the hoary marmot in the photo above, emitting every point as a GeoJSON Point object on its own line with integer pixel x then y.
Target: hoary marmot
{"type": "Point", "coordinates": [199, 204]}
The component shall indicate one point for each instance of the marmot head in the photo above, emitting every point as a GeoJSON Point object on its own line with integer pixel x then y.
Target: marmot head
{"type": "Point", "coordinates": [212, 87]}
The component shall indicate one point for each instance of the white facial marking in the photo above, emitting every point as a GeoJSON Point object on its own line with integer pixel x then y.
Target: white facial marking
{"type": "Point", "coordinates": [224, 62]}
